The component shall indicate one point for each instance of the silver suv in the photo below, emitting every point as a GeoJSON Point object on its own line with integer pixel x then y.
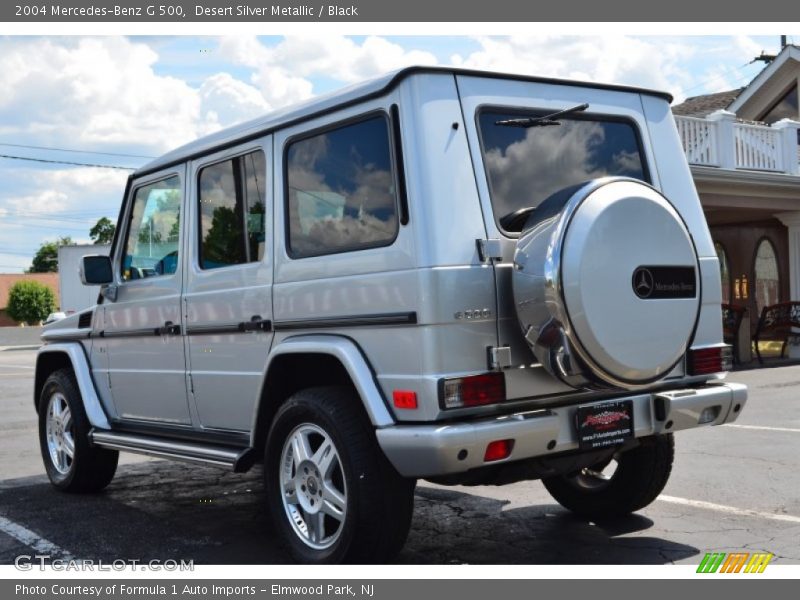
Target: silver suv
{"type": "Point", "coordinates": [466, 277]}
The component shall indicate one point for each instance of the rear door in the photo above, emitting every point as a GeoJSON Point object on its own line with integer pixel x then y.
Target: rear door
{"type": "Point", "coordinates": [520, 167]}
{"type": "Point", "coordinates": [228, 292]}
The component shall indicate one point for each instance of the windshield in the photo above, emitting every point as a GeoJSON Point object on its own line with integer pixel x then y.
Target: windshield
{"type": "Point", "coordinates": [526, 165]}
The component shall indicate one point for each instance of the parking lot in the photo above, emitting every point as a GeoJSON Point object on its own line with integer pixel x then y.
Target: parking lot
{"type": "Point", "coordinates": [733, 488]}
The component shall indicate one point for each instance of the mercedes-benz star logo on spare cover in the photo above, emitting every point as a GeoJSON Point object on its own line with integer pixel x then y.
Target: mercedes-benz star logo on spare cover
{"type": "Point", "coordinates": [643, 282]}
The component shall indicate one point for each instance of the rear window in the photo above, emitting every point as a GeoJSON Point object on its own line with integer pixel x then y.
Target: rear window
{"type": "Point", "coordinates": [525, 166]}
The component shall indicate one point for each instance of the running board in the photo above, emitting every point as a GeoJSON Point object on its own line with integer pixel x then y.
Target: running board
{"type": "Point", "coordinates": [237, 459]}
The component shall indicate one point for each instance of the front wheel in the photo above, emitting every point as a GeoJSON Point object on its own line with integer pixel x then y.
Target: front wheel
{"type": "Point", "coordinates": [72, 464]}
{"type": "Point", "coordinates": [627, 483]}
{"type": "Point", "coordinates": [333, 495]}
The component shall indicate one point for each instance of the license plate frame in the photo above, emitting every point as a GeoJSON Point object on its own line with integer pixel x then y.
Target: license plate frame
{"type": "Point", "coordinates": [604, 425]}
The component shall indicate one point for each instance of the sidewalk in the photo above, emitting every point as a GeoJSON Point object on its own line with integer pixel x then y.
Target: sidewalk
{"type": "Point", "coordinates": [18, 338]}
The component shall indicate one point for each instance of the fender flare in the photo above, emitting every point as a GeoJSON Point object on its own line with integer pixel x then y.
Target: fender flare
{"type": "Point", "coordinates": [352, 359]}
{"type": "Point", "coordinates": [83, 376]}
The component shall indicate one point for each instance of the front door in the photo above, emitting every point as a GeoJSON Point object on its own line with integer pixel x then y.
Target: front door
{"type": "Point", "coordinates": [142, 328]}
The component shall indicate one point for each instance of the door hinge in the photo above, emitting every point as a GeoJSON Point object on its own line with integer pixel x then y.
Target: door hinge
{"type": "Point", "coordinates": [108, 378]}
{"type": "Point", "coordinates": [191, 383]}
{"type": "Point", "coordinates": [489, 250]}
{"type": "Point", "coordinates": [499, 357]}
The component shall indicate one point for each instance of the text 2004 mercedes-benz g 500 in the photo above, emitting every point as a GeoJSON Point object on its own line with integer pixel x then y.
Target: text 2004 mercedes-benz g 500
{"type": "Point", "coordinates": [466, 277]}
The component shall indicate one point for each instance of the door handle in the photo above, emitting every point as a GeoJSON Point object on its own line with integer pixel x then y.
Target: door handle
{"type": "Point", "coordinates": [169, 328]}
{"type": "Point", "coordinates": [256, 323]}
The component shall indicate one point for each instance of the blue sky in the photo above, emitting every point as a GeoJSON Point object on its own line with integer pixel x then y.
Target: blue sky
{"type": "Point", "coordinates": [143, 95]}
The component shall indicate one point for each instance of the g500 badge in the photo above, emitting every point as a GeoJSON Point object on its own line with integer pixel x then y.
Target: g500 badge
{"type": "Point", "coordinates": [658, 283]}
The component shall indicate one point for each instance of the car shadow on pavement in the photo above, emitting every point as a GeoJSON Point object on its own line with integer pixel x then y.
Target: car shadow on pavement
{"type": "Point", "coordinates": [161, 510]}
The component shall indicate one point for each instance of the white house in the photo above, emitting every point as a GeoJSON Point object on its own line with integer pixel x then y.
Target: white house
{"type": "Point", "coordinates": [742, 146]}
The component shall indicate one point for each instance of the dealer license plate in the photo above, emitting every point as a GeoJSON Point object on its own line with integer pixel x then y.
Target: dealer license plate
{"type": "Point", "coordinates": [607, 424]}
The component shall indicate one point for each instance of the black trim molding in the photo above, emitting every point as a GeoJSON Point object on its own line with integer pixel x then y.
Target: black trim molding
{"type": "Point", "coordinates": [404, 318]}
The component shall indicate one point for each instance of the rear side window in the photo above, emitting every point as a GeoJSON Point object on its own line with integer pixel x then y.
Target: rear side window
{"type": "Point", "coordinates": [153, 239]}
{"type": "Point", "coordinates": [341, 191]}
{"type": "Point", "coordinates": [525, 166]}
{"type": "Point", "coordinates": [231, 197]}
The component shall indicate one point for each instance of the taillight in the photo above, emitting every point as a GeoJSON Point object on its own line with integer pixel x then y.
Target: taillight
{"type": "Point", "coordinates": [703, 361]}
{"type": "Point", "coordinates": [476, 390]}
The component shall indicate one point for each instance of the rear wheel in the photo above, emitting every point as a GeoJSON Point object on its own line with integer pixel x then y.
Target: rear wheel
{"type": "Point", "coordinates": [72, 464]}
{"type": "Point", "coordinates": [627, 483]}
{"type": "Point", "coordinates": [333, 495]}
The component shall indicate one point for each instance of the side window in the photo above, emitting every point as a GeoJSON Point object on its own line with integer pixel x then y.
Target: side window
{"type": "Point", "coordinates": [151, 247]}
{"type": "Point", "coordinates": [341, 190]}
{"type": "Point", "coordinates": [231, 200]}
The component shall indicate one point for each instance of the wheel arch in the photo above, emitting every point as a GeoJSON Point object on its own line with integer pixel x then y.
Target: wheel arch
{"type": "Point", "coordinates": [53, 357]}
{"type": "Point", "coordinates": [322, 360]}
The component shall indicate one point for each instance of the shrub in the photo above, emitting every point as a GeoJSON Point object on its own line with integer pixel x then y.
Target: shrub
{"type": "Point", "coordinates": [30, 302]}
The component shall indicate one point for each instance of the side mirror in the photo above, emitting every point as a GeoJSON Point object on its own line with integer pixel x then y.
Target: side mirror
{"type": "Point", "coordinates": [96, 269]}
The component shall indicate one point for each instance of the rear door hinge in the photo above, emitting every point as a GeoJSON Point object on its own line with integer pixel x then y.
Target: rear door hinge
{"type": "Point", "coordinates": [490, 250]}
{"type": "Point", "coordinates": [499, 357]}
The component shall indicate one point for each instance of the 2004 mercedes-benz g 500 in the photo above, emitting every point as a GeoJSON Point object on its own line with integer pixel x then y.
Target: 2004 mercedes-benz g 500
{"type": "Point", "coordinates": [466, 277]}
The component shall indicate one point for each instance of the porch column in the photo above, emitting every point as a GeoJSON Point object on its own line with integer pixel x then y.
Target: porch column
{"type": "Point", "coordinates": [792, 222]}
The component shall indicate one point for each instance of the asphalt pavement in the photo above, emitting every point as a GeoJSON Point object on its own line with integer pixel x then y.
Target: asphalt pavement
{"type": "Point", "coordinates": [733, 488]}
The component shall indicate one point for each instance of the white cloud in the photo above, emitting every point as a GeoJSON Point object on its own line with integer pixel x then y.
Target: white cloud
{"type": "Point", "coordinates": [104, 92]}
{"type": "Point", "coordinates": [613, 59]}
{"type": "Point", "coordinates": [282, 71]}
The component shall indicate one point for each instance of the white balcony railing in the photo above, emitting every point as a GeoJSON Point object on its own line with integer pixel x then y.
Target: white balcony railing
{"type": "Point", "coordinates": [721, 141]}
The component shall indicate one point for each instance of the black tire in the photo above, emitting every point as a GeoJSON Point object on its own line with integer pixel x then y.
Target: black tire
{"type": "Point", "coordinates": [378, 502]}
{"type": "Point", "coordinates": [89, 469]}
{"type": "Point", "coordinates": [640, 475]}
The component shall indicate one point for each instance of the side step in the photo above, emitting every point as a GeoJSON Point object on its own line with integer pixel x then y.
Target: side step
{"type": "Point", "coordinates": [237, 459]}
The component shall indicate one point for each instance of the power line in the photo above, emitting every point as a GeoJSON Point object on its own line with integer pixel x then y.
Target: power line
{"type": "Point", "coordinates": [722, 75]}
{"type": "Point", "coordinates": [64, 162]}
{"type": "Point", "coordinates": [76, 151]}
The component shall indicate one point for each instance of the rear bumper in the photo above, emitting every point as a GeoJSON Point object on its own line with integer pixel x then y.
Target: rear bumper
{"type": "Point", "coordinates": [442, 449]}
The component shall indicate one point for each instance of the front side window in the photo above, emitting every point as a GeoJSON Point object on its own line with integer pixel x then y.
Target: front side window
{"type": "Point", "coordinates": [231, 199]}
{"type": "Point", "coordinates": [153, 241]}
{"type": "Point", "coordinates": [341, 192]}
{"type": "Point", "coordinates": [525, 166]}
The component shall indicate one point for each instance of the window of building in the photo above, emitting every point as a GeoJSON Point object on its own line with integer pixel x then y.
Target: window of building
{"type": "Point", "coordinates": [724, 272]}
{"type": "Point", "coordinates": [527, 165]}
{"type": "Point", "coordinates": [153, 239]}
{"type": "Point", "coordinates": [785, 108]}
{"type": "Point", "coordinates": [231, 200]}
{"type": "Point", "coordinates": [341, 191]}
{"type": "Point", "coordinates": [767, 283]}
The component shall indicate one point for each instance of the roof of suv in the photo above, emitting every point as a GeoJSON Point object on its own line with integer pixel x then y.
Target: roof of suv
{"type": "Point", "coordinates": [342, 98]}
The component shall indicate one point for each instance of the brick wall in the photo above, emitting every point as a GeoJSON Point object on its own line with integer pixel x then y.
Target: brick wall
{"type": "Point", "coordinates": [9, 279]}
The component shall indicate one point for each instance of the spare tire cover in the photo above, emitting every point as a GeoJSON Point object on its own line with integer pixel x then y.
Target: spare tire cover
{"type": "Point", "coordinates": [606, 284]}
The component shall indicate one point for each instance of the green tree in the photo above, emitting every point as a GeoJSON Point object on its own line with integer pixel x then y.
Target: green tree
{"type": "Point", "coordinates": [30, 302]}
{"type": "Point", "coordinates": [222, 245]}
{"type": "Point", "coordinates": [46, 258]}
{"type": "Point", "coordinates": [103, 231]}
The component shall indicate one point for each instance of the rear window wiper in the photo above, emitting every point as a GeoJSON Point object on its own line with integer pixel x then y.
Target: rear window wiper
{"type": "Point", "coordinates": [551, 119]}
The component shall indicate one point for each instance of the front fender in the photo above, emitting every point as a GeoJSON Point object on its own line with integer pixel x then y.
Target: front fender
{"type": "Point", "coordinates": [83, 376]}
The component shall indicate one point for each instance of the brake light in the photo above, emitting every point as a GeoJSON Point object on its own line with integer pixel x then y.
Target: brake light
{"type": "Point", "coordinates": [404, 399]}
{"type": "Point", "coordinates": [498, 450]}
{"type": "Point", "coordinates": [476, 390]}
{"type": "Point", "coordinates": [704, 361]}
